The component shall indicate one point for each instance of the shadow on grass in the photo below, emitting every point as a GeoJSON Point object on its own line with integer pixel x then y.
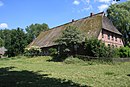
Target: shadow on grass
{"type": "Point", "coordinates": [31, 79]}
{"type": "Point", "coordinates": [128, 75]}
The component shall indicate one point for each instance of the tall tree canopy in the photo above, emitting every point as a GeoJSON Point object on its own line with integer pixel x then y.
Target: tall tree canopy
{"type": "Point", "coordinates": [14, 40]}
{"type": "Point", "coordinates": [120, 16]}
{"type": "Point", "coordinates": [71, 37]}
{"type": "Point", "coordinates": [18, 42]}
{"type": "Point", "coordinates": [34, 30]}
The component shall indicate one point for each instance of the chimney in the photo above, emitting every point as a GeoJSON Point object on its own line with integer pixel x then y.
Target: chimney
{"type": "Point", "coordinates": [72, 20]}
{"type": "Point", "coordinates": [91, 14]}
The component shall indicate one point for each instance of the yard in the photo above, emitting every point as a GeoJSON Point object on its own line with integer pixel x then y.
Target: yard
{"type": "Point", "coordinates": [39, 72]}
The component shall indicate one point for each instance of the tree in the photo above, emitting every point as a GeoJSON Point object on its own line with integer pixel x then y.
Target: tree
{"type": "Point", "coordinates": [6, 36]}
{"type": "Point", "coordinates": [14, 40]}
{"type": "Point", "coordinates": [18, 42]}
{"type": "Point", "coordinates": [34, 30]}
{"type": "Point", "coordinates": [120, 16]}
{"type": "Point", "coordinates": [1, 42]}
{"type": "Point", "coordinates": [70, 39]}
{"type": "Point", "coordinates": [96, 48]}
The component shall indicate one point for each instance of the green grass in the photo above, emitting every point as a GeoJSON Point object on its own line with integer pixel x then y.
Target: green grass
{"type": "Point", "coordinates": [38, 72]}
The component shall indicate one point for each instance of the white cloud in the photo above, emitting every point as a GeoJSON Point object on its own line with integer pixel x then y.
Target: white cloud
{"type": "Point", "coordinates": [86, 1]}
{"type": "Point", "coordinates": [1, 3]}
{"type": "Point", "coordinates": [104, 1]}
{"type": "Point", "coordinates": [103, 7]}
{"type": "Point", "coordinates": [87, 8]}
{"type": "Point", "coordinates": [3, 25]}
{"type": "Point", "coordinates": [76, 2]}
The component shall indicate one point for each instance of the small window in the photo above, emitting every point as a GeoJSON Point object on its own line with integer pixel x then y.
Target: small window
{"type": "Point", "coordinates": [115, 38]}
{"type": "Point", "coordinates": [112, 37]}
{"type": "Point", "coordinates": [108, 36]}
{"type": "Point", "coordinates": [120, 40]}
{"type": "Point", "coordinates": [102, 35]}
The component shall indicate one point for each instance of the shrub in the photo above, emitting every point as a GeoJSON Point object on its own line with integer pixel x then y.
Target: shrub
{"type": "Point", "coordinates": [96, 48]}
{"type": "Point", "coordinates": [124, 52]}
{"type": "Point", "coordinates": [53, 51]}
{"type": "Point", "coordinates": [32, 51]}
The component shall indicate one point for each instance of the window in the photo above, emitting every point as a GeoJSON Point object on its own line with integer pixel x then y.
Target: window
{"type": "Point", "coordinates": [112, 37]}
{"type": "Point", "coordinates": [115, 38]}
{"type": "Point", "coordinates": [120, 40]}
{"type": "Point", "coordinates": [108, 36]}
{"type": "Point", "coordinates": [102, 35]}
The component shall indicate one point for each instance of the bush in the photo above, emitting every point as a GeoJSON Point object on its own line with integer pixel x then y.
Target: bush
{"type": "Point", "coordinates": [96, 48]}
{"type": "Point", "coordinates": [32, 51]}
{"type": "Point", "coordinates": [53, 51]}
{"type": "Point", "coordinates": [124, 52]}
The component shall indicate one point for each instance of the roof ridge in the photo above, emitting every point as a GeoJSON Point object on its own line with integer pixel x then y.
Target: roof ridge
{"type": "Point", "coordinates": [76, 20]}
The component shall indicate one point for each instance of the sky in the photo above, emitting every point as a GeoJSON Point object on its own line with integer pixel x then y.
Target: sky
{"type": "Point", "coordinates": [22, 13]}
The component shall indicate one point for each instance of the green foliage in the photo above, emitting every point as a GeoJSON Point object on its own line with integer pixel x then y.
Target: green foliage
{"type": "Point", "coordinates": [32, 51]}
{"type": "Point", "coordinates": [6, 36]}
{"type": "Point", "coordinates": [18, 42]}
{"type": "Point", "coordinates": [124, 52]}
{"type": "Point", "coordinates": [53, 51]}
{"type": "Point", "coordinates": [1, 43]}
{"type": "Point", "coordinates": [120, 16]}
{"type": "Point", "coordinates": [14, 41]}
{"type": "Point", "coordinates": [70, 39]}
{"type": "Point", "coordinates": [34, 30]}
{"type": "Point", "coordinates": [71, 35]}
{"type": "Point", "coordinates": [96, 48]}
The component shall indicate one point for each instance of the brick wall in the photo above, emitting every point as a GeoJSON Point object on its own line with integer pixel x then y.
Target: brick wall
{"type": "Point", "coordinates": [110, 39]}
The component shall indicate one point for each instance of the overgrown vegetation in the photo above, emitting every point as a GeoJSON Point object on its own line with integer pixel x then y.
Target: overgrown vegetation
{"type": "Point", "coordinates": [96, 48]}
{"type": "Point", "coordinates": [124, 52]}
{"type": "Point", "coordinates": [15, 40]}
{"type": "Point", "coordinates": [32, 51]}
{"type": "Point", "coordinates": [69, 41]}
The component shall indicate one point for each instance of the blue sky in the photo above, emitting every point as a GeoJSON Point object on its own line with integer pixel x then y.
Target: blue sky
{"type": "Point", "coordinates": [21, 13]}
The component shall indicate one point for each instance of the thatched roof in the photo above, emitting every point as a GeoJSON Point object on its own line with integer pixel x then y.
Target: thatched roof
{"type": "Point", "coordinates": [2, 50]}
{"type": "Point", "coordinates": [90, 26]}
{"type": "Point", "coordinates": [108, 25]}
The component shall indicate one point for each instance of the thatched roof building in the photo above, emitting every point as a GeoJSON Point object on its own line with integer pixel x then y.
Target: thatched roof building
{"type": "Point", "coordinates": [91, 26]}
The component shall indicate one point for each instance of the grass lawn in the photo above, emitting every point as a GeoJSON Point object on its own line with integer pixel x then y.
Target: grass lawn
{"type": "Point", "coordinates": [38, 72]}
